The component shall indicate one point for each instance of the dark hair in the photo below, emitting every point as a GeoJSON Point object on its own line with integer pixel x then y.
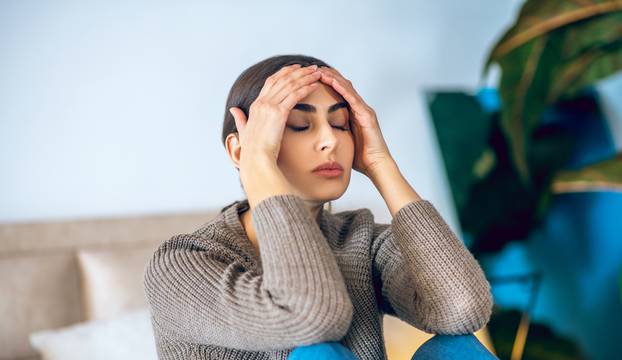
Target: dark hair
{"type": "Point", "coordinates": [248, 85]}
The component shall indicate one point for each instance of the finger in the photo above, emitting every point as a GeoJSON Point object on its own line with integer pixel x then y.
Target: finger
{"type": "Point", "coordinates": [327, 78]}
{"type": "Point", "coordinates": [332, 76]}
{"type": "Point", "coordinates": [240, 119]}
{"type": "Point", "coordinates": [290, 82]}
{"type": "Point", "coordinates": [283, 71]}
{"type": "Point", "coordinates": [294, 96]}
{"type": "Point", "coordinates": [305, 80]}
{"type": "Point", "coordinates": [333, 72]}
{"type": "Point", "coordinates": [273, 79]}
{"type": "Point", "coordinates": [346, 91]}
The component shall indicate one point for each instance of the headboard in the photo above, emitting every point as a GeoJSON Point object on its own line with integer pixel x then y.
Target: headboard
{"type": "Point", "coordinates": [41, 286]}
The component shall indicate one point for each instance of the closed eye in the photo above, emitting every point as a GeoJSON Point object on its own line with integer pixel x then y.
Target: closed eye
{"type": "Point", "coordinates": [295, 128]}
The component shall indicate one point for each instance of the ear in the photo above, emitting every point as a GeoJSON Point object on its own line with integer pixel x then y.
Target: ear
{"type": "Point", "coordinates": [232, 143]}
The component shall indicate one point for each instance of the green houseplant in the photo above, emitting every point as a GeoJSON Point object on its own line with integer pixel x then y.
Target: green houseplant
{"type": "Point", "coordinates": [549, 59]}
{"type": "Point", "coordinates": [554, 50]}
{"type": "Point", "coordinates": [505, 166]}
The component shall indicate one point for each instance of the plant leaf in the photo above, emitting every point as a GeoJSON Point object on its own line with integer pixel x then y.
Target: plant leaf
{"type": "Point", "coordinates": [524, 84]}
{"type": "Point", "coordinates": [604, 175]}
{"type": "Point", "coordinates": [572, 76]}
{"type": "Point", "coordinates": [592, 33]}
{"type": "Point", "coordinates": [538, 17]}
{"type": "Point", "coordinates": [555, 64]}
{"type": "Point", "coordinates": [462, 129]}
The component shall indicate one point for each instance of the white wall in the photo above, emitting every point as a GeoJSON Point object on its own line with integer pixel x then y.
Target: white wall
{"type": "Point", "coordinates": [113, 109]}
{"type": "Point", "coordinates": [610, 90]}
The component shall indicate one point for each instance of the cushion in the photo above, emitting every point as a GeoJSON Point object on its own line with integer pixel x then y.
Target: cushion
{"type": "Point", "coordinates": [128, 336]}
{"type": "Point", "coordinates": [112, 280]}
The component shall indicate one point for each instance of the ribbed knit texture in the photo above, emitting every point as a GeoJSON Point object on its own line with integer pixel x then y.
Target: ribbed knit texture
{"type": "Point", "coordinates": [331, 278]}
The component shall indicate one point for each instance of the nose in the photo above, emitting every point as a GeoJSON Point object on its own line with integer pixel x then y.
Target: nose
{"type": "Point", "coordinates": [327, 138]}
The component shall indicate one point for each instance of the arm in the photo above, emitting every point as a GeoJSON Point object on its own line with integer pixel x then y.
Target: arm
{"type": "Point", "coordinates": [428, 278]}
{"type": "Point", "coordinates": [301, 298]}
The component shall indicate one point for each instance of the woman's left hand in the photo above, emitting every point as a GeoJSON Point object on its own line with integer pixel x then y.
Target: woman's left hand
{"type": "Point", "coordinates": [370, 149]}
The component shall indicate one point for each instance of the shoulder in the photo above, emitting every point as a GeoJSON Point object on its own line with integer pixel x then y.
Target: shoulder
{"type": "Point", "coordinates": [211, 238]}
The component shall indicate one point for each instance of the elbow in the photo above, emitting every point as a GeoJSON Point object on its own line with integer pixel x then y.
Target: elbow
{"type": "Point", "coordinates": [466, 315]}
{"type": "Point", "coordinates": [480, 308]}
{"type": "Point", "coordinates": [342, 320]}
{"type": "Point", "coordinates": [326, 320]}
{"type": "Point", "coordinates": [476, 314]}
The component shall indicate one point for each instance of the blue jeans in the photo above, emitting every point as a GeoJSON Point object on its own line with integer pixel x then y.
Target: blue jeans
{"type": "Point", "coordinates": [464, 347]}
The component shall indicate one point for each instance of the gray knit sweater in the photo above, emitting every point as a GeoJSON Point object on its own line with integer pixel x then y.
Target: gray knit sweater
{"type": "Point", "coordinates": [331, 278]}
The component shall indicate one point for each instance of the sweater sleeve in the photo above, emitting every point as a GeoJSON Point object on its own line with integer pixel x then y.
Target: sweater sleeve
{"type": "Point", "coordinates": [427, 276]}
{"type": "Point", "coordinates": [200, 297]}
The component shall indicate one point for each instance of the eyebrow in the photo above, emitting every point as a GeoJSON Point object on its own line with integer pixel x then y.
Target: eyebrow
{"type": "Point", "coordinates": [310, 108]}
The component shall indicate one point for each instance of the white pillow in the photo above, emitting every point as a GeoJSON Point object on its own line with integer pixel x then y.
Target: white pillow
{"type": "Point", "coordinates": [112, 280]}
{"type": "Point", "coordinates": [128, 336]}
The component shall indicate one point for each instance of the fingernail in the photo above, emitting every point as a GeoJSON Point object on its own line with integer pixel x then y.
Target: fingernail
{"type": "Point", "coordinates": [231, 111]}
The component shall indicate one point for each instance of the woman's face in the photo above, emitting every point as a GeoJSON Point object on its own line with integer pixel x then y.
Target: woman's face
{"type": "Point", "coordinates": [324, 135]}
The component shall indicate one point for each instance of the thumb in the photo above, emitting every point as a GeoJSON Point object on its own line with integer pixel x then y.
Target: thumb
{"type": "Point", "coordinates": [239, 117]}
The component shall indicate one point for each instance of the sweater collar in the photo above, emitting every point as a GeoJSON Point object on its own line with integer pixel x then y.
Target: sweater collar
{"type": "Point", "coordinates": [231, 214]}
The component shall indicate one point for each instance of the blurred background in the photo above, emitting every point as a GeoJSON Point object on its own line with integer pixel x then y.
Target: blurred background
{"type": "Point", "coordinates": [110, 122]}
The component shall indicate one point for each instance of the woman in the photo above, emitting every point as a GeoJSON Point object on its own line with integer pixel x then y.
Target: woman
{"type": "Point", "coordinates": [276, 276]}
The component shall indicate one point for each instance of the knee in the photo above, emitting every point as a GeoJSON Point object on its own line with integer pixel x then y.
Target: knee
{"type": "Point", "coordinates": [465, 347]}
{"type": "Point", "coordinates": [326, 350]}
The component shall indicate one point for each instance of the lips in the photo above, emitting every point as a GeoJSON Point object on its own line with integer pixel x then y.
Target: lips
{"type": "Point", "coordinates": [329, 165]}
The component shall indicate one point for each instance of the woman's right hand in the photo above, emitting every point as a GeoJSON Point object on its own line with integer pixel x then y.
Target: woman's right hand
{"type": "Point", "coordinates": [260, 136]}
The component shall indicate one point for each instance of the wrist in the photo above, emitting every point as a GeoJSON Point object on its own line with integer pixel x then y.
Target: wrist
{"type": "Point", "coordinates": [387, 168]}
{"type": "Point", "coordinates": [263, 192]}
{"type": "Point", "coordinates": [264, 179]}
{"type": "Point", "coordinates": [393, 186]}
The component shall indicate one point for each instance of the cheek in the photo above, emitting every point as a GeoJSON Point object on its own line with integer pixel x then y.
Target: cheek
{"type": "Point", "coordinates": [289, 152]}
{"type": "Point", "coordinates": [348, 146]}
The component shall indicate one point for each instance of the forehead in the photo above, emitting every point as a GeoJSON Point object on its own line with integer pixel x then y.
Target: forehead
{"type": "Point", "coordinates": [322, 97]}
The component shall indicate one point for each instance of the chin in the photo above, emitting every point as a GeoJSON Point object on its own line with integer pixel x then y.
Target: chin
{"type": "Point", "coordinates": [326, 195]}
{"type": "Point", "coordinates": [325, 191]}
